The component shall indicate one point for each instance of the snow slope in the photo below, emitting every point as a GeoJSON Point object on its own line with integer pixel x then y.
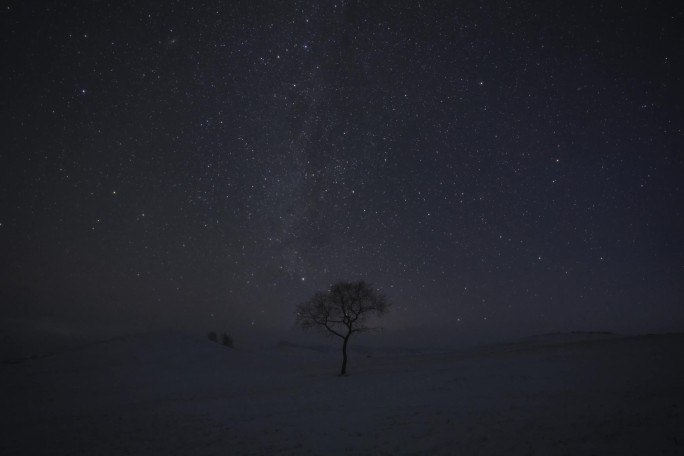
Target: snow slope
{"type": "Point", "coordinates": [167, 394]}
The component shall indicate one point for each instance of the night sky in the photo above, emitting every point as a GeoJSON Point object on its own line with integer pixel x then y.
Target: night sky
{"type": "Point", "coordinates": [492, 167]}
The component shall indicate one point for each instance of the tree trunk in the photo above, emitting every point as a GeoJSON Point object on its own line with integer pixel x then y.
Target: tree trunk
{"type": "Point", "coordinates": [344, 357]}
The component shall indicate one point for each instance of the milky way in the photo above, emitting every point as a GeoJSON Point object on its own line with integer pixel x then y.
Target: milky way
{"type": "Point", "coordinates": [492, 167]}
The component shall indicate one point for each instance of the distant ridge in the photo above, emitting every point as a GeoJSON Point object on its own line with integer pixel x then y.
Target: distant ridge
{"type": "Point", "coordinates": [572, 335]}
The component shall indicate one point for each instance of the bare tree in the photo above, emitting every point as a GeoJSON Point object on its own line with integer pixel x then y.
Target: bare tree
{"type": "Point", "coordinates": [342, 311]}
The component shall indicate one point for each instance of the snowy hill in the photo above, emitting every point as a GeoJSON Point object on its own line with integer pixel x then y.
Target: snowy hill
{"type": "Point", "coordinates": [168, 393]}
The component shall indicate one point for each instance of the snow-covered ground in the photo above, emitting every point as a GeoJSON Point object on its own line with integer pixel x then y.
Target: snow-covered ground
{"type": "Point", "coordinates": [168, 393]}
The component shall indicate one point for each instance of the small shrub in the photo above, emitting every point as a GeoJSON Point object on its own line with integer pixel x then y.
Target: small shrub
{"type": "Point", "coordinates": [227, 340]}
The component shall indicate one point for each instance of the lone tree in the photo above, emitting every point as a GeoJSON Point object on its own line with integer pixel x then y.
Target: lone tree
{"type": "Point", "coordinates": [342, 311]}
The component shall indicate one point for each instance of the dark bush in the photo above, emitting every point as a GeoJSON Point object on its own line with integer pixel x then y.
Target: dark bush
{"type": "Point", "coordinates": [227, 340]}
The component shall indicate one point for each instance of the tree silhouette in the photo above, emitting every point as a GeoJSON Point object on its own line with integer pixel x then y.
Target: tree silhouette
{"type": "Point", "coordinates": [342, 311]}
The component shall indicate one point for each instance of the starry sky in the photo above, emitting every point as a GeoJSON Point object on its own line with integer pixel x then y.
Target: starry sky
{"type": "Point", "coordinates": [494, 167]}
